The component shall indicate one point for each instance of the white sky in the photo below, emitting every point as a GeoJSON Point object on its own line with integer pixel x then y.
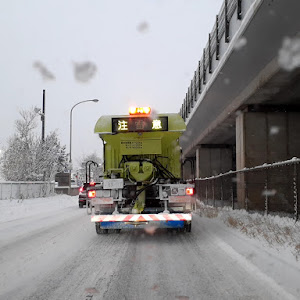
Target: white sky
{"type": "Point", "coordinates": [152, 67]}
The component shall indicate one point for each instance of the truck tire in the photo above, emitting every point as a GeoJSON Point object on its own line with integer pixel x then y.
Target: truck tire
{"type": "Point", "coordinates": [80, 205]}
{"type": "Point", "coordinates": [99, 230]}
{"type": "Point", "coordinates": [188, 227]}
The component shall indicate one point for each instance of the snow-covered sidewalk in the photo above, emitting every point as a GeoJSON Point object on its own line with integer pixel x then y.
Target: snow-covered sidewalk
{"type": "Point", "coordinates": [17, 209]}
{"type": "Point", "coordinates": [278, 233]}
{"type": "Point", "coordinates": [267, 245]}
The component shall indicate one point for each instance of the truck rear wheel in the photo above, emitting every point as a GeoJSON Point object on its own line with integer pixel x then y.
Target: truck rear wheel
{"type": "Point", "coordinates": [99, 230]}
{"type": "Point", "coordinates": [188, 227]}
{"type": "Point", "coordinates": [80, 205]}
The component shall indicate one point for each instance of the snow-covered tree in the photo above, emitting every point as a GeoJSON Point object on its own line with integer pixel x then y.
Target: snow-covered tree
{"type": "Point", "coordinates": [18, 158]}
{"type": "Point", "coordinates": [51, 157]}
{"type": "Point", "coordinates": [92, 157]}
{"type": "Point", "coordinates": [27, 157]}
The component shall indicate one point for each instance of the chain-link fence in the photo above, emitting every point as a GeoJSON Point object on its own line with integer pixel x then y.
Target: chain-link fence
{"type": "Point", "coordinates": [269, 188]}
{"type": "Point", "coordinates": [25, 190]}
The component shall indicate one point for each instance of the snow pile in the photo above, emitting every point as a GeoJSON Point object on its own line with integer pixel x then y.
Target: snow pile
{"type": "Point", "coordinates": [16, 209]}
{"type": "Point", "coordinates": [275, 231]}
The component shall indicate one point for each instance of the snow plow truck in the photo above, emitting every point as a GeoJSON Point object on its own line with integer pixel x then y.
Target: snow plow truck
{"type": "Point", "coordinates": [142, 185]}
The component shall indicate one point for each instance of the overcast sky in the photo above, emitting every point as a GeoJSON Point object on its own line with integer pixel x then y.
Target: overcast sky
{"type": "Point", "coordinates": [141, 52]}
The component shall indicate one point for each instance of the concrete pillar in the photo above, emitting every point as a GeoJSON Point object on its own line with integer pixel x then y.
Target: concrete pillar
{"type": "Point", "coordinates": [264, 137]}
{"type": "Point", "coordinates": [197, 163]}
{"type": "Point", "coordinates": [209, 160]}
{"type": "Point", "coordinates": [213, 159]}
{"type": "Point", "coordinates": [188, 171]}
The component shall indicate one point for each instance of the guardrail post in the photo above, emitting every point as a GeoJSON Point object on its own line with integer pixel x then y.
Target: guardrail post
{"type": "Point", "coordinates": [213, 192]}
{"type": "Point", "coordinates": [185, 109]}
{"type": "Point", "coordinates": [217, 39]}
{"type": "Point", "coordinates": [266, 194]}
{"type": "Point", "coordinates": [189, 102]}
{"type": "Point", "coordinates": [206, 192]}
{"type": "Point", "coordinates": [209, 55]}
{"type": "Point", "coordinates": [204, 68]}
{"type": "Point", "coordinates": [195, 86]}
{"type": "Point", "coordinates": [246, 195]}
{"type": "Point", "coordinates": [295, 192]}
{"type": "Point", "coordinates": [226, 22]}
{"type": "Point", "coordinates": [199, 77]}
{"type": "Point", "coordinates": [232, 196]}
{"type": "Point", "coordinates": [222, 199]}
{"type": "Point", "coordinates": [239, 9]}
{"type": "Point", "coordinates": [192, 94]}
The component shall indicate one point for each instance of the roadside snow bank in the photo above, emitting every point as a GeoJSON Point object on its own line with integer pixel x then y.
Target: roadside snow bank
{"type": "Point", "coordinates": [275, 231]}
{"type": "Point", "coordinates": [17, 209]}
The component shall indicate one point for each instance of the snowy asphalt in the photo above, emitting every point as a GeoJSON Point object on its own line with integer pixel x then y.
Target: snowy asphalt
{"type": "Point", "coordinates": [59, 256]}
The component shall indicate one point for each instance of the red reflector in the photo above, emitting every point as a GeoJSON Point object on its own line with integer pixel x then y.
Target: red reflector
{"type": "Point", "coordinates": [92, 194]}
{"type": "Point", "coordinates": [189, 191]}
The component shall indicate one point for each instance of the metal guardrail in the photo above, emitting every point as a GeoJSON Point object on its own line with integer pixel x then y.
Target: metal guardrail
{"type": "Point", "coordinates": [269, 188]}
{"type": "Point", "coordinates": [25, 190]}
{"type": "Point", "coordinates": [220, 29]}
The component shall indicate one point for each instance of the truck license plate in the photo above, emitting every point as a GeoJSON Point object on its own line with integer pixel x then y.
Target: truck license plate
{"type": "Point", "coordinates": [110, 184]}
{"type": "Point", "coordinates": [108, 200]}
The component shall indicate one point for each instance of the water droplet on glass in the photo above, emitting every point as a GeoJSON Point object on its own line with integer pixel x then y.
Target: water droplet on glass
{"type": "Point", "coordinates": [274, 130]}
{"type": "Point", "coordinates": [240, 43]}
{"type": "Point", "coordinates": [289, 54]}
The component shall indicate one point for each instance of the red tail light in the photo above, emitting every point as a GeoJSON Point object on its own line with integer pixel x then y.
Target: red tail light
{"type": "Point", "coordinates": [92, 194]}
{"type": "Point", "coordinates": [81, 189]}
{"type": "Point", "coordinates": [189, 191]}
{"type": "Point", "coordinates": [92, 183]}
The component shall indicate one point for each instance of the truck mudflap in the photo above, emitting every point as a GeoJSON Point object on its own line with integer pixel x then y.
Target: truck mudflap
{"type": "Point", "coordinates": [123, 221]}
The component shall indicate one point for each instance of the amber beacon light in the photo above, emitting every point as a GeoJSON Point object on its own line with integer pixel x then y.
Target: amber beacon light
{"type": "Point", "coordinates": [139, 110]}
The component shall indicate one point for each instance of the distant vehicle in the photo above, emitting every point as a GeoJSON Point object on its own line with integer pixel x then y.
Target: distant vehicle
{"type": "Point", "coordinates": [83, 193]}
{"type": "Point", "coordinates": [73, 182]}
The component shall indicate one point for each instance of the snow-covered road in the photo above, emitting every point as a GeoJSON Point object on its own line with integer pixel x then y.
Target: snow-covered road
{"type": "Point", "coordinates": [56, 254]}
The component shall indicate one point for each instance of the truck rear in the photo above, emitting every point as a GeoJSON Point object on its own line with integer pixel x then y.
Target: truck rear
{"type": "Point", "coordinates": [142, 185]}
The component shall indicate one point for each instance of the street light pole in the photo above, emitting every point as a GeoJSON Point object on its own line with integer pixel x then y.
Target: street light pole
{"type": "Point", "coordinates": [43, 117]}
{"type": "Point", "coordinates": [70, 157]}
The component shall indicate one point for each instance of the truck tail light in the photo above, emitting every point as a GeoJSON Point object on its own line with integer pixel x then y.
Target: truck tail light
{"type": "Point", "coordinates": [81, 189]}
{"type": "Point", "coordinates": [92, 183]}
{"type": "Point", "coordinates": [92, 194]}
{"type": "Point", "coordinates": [189, 191]}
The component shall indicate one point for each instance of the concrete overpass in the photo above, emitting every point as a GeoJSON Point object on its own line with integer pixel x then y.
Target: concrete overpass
{"type": "Point", "coordinates": [242, 108]}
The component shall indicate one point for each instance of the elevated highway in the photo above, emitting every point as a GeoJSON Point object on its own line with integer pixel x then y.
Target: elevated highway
{"type": "Point", "coordinates": [242, 107]}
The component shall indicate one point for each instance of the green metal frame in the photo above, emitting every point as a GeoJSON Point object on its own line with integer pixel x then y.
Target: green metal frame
{"type": "Point", "coordinates": [144, 145]}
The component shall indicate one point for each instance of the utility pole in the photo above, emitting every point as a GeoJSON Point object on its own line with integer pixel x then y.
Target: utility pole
{"type": "Point", "coordinates": [43, 127]}
{"type": "Point", "coordinates": [42, 114]}
{"type": "Point", "coordinates": [43, 118]}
